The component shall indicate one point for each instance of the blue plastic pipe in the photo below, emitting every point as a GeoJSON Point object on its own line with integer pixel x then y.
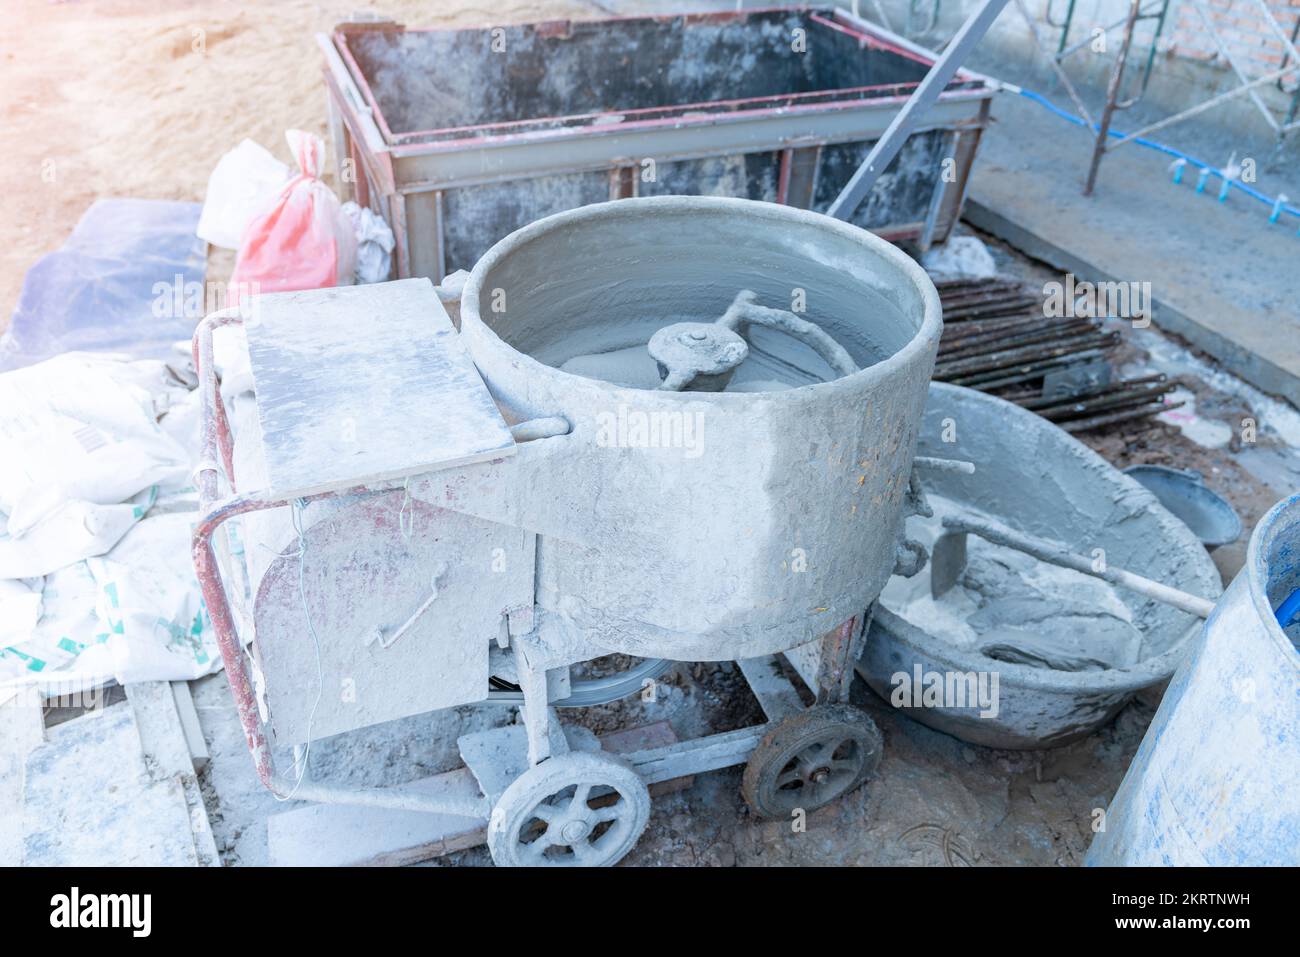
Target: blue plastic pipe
{"type": "Point", "coordinates": [1287, 611]}
{"type": "Point", "coordinates": [1167, 150]}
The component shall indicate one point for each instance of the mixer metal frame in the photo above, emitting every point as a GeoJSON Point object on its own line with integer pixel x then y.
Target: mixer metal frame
{"type": "Point", "coordinates": [506, 778]}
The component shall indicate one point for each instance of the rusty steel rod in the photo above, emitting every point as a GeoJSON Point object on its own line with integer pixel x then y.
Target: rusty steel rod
{"type": "Point", "coordinates": [1040, 402]}
{"type": "Point", "coordinates": [975, 327]}
{"type": "Point", "coordinates": [1000, 378]}
{"type": "Point", "coordinates": [1105, 403]}
{"type": "Point", "coordinates": [1083, 425]}
{"type": "Point", "coordinates": [999, 343]}
{"type": "Point", "coordinates": [1012, 357]}
{"type": "Point", "coordinates": [1023, 305]}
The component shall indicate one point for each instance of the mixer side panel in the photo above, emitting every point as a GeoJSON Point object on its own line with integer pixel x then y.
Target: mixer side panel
{"type": "Point", "coordinates": [401, 598]}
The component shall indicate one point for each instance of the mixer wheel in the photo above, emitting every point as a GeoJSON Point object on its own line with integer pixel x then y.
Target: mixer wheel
{"type": "Point", "coordinates": [810, 759]}
{"type": "Point", "coordinates": [584, 808]}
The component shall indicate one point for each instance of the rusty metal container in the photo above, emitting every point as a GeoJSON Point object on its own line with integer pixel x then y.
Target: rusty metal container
{"type": "Point", "coordinates": [459, 137]}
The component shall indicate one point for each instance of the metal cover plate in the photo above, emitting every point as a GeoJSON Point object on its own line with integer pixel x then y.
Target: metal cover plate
{"type": "Point", "coordinates": [361, 384]}
{"type": "Point", "coordinates": [371, 564]}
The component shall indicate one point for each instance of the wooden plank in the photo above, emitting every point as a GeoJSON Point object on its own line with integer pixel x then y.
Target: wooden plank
{"type": "Point", "coordinates": [643, 737]}
{"type": "Point", "coordinates": [21, 731]}
{"type": "Point", "coordinates": [362, 384]}
{"type": "Point", "coordinates": [91, 799]}
{"type": "Point", "coordinates": [697, 755]}
{"type": "Point", "coordinates": [190, 727]}
{"type": "Point", "coordinates": [167, 755]}
{"type": "Point", "coordinates": [347, 835]}
{"type": "Point", "coordinates": [161, 738]}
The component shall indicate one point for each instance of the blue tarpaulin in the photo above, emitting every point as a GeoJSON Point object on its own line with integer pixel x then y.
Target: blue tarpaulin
{"type": "Point", "coordinates": [128, 279]}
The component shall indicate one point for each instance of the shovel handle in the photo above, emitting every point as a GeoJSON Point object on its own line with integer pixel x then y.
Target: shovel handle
{"type": "Point", "coordinates": [1057, 554]}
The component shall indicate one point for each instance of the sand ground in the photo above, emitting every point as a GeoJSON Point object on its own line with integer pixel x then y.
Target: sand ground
{"type": "Point", "coordinates": [140, 98]}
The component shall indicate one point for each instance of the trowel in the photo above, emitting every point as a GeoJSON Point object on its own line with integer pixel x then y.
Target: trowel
{"type": "Point", "coordinates": [948, 560]}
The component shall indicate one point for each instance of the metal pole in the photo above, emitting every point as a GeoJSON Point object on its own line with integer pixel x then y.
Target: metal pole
{"type": "Point", "coordinates": [1207, 20]}
{"type": "Point", "coordinates": [1202, 107]}
{"type": "Point", "coordinates": [1055, 63]}
{"type": "Point", "coordinates": [1112, 97]}
{"type": "Point", "coordinates": [943, 70]}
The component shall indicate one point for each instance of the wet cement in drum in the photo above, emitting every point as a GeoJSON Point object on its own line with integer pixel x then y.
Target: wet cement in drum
{"type": "Point", "coordinates": [775, 362]}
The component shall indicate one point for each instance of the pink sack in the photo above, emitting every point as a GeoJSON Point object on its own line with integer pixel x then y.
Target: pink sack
{"type": "Point", "coordinates": [304, 240]}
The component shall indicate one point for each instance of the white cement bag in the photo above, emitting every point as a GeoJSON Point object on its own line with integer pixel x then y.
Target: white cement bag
{"type": "Point", "coordinates": [242, 184]}
{"type": "Point", "coordinates": [150, 606]}
{"type": "Point", "coordinates": [45, 626]}
{"type": "Point", "coordinates": [73, 531]}
{"type": "Point", "coordinates": [20, 609]}
{"type": "Point", "coordinates": [135, 614]}
{"type": "Point", "coordinates": [80, 432]}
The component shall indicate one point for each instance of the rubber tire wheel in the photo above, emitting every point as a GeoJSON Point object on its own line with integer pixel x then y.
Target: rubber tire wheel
{"type": "Point", "coordinates": [515, 812]}
{"type": "Point", "coordinates": [841, 724]}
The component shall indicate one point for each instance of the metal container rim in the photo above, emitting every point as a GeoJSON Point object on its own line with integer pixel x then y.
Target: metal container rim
{"type": "Point", "coordinates": [922, 339]}
{"type": "Point", "coordinates": [1284, 514]}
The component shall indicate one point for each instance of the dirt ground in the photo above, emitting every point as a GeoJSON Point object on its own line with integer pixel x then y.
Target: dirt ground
{"type": "Point", "coordinates": [139, 98]}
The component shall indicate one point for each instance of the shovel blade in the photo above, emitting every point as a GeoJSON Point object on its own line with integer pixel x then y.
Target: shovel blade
{"type": "Point", "coordinates": [947, 562]}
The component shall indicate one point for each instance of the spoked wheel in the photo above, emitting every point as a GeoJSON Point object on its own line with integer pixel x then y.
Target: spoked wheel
{"type": "Point", "coordinates": [583, 809]}
{"type": "Point", "coordinates": [810, 759]}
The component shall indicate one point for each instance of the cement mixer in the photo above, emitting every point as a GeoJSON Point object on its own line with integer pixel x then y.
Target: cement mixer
{"type": "Point", "coordinates": [675, 428]}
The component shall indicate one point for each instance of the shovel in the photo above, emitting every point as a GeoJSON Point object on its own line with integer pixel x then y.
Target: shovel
{"type": "Point", "coordinates": [948, 559]}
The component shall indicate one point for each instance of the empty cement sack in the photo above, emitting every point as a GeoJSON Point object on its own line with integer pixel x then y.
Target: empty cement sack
{"type": "Point", "coordinates": [135, 614]}
{"type": "Point", "coordinates": [303, 240]}
{"type": "Point", "coordinates": [82, 457]}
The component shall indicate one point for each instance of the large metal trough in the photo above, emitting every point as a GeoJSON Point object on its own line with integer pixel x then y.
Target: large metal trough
{"type": "Point", "coordinates": [459, 137]}
{"type": "Point", "coordinates": [1033, 477]}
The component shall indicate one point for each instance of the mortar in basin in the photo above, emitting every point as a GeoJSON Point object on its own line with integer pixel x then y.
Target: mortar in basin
{"type": "Point", "coordinates": [698, 525]}
{"type": "Point", "coordinates": [1066, 650]}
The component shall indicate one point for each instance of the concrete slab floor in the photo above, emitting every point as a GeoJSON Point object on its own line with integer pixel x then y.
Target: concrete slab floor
{"type": "Point", "coordinates": [1220, 275]}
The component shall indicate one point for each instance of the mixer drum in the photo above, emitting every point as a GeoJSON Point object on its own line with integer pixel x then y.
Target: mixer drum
{"type": "Point", "coordinates": [699, 525]}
